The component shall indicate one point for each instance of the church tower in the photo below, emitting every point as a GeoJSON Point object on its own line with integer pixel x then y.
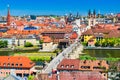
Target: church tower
{"type": "Point", "coordinates": [77, 20]}
{"type": "Point", "coordinates": [8, 17]}
{"type": "Point", "coordinates": [91, 18]}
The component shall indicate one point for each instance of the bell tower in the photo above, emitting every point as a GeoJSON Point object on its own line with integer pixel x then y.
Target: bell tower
{"type": "Point", "coordinates": [8, 16]}
{"type": "Point", "coordinates": [91, 18]}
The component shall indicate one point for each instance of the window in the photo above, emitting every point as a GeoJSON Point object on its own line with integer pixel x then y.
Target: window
{"type": "Point", "coordinates": [12, 64]}
{"type": "Point", "coordinates": [99, 64]}
{"type": "Point", "coordinates": [45, 44]}
{"type": "Point", "coordinates": [84, 62]}
{"type": "Point", "coordinates": [20, 64]}
{"type": "Point", "coordinates": [66, 66]}
{"type": "Point", "coordinates": [72, 66]}
{"type": "Point", "coordinates": [4, 64]}
{"type": "Point", "coordinates": [8, 64]}
{"type": "Point", "coordinates": [16, 64]}
{"type": "Point", "coordinates": [62, 66]}
{"type": "Point", "coordinates": [85, 67]}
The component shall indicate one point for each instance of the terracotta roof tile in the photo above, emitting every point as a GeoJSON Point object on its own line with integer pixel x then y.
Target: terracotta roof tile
{"type": "Point", "coordinates": [69, 64]}
{"type": "Point", "coordinates": [16, 62]}
{"type": "Point", "coordinates": [88, 32]}
{"type": "Point", "coordinates": [46, 39]}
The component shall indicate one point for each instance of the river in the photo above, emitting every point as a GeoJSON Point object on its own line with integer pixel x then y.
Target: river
{"type": "Point", "coordinates": [102, 53]}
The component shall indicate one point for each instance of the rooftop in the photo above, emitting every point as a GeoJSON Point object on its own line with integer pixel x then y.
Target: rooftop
{"type": "Point", "coordinates": [15, 62]}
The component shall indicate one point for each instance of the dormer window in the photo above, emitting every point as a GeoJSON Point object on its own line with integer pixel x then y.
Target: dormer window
{"type": "Point", "coordinates": [20, 64]}
{"type": "Point", "coordinates": [16, 65]}
{"type": "Point", "coordinates": [66, 66]}
{"type": "Point", "coordinates": [12, 64]}
{"type": "Point", "coordinates": [8, 64]}
{"type": "Point", "coordinates": [62, 66]}
{"type": "Point", "coordinates": [4, 64]}
{"type": "Point", "coordinates": [72, 66]}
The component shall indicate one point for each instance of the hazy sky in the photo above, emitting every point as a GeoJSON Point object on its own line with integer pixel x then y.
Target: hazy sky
{"type": "Point", "coordinates": [60, 7]}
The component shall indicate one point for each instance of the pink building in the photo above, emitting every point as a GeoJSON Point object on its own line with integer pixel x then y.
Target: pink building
{"type": "Point", "coordinates": [18, 65]}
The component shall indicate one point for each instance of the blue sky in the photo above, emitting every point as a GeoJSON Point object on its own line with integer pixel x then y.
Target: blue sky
{"type": "Point", "coordinates": [60, 7]}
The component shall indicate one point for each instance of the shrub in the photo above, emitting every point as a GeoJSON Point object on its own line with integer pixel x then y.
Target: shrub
{"type": "Point", "coordinates": [57, 50]}
{"type": "Point", "coordinates": [40, 58]}
{"type": "Point", "coordinates": [87, 57]}
{"type": "Point", "coordinates": [3, 44]}
{"type": "Point", "coordinates": [28, 44]}
{"type": "Point", "coordinates": [84, 43]}
{"type": "Point", "coordinates": [41, 41]}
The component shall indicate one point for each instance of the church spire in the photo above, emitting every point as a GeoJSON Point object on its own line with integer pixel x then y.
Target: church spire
{"type": "Point", "coordinates": [77, 16]}
{"type": "Point", "coordinates": [94, 13]}
{"type": "Point", "coordinates": [8, 16]}
{"type": "Point", "coordinates": [89, 13]}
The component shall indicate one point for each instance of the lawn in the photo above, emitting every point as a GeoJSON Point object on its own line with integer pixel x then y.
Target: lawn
{"type": "Point", "coordinates": [37, 56]}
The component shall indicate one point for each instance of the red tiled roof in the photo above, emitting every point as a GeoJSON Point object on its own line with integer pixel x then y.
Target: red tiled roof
{"type": "Point", "coordinates": [88, 32]}
{"type": "Point", "coordinates": [118, 15]}
{"type": "Point", "coordinates": [114, 34]}
{"type": "Point", "coordinates": [69, 64]}
{"type": "Point", "coordinates": [104, 31]}
{"type": "Point", "coordinates": [46, 39]}
{"type": "Point", "coordinates": [74, 64]}
{"type": "Point", "coordinates": [16, 62]}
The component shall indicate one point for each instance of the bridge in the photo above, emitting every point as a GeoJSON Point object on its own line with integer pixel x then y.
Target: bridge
{"type": "Point", "coordinates": [65, 53]}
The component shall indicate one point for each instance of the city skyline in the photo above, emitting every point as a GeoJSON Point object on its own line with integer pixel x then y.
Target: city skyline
{"type": "Point", "coordinates": [58, 7]}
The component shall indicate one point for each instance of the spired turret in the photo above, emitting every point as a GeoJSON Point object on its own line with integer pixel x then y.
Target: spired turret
{"type": "Point", "coordinates": [8, 16]}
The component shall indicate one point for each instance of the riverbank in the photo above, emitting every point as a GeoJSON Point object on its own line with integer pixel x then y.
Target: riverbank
{"type": "Point", "coordinates": [19, 49]}
{"type": "Point", "coordinates": [105, 48]}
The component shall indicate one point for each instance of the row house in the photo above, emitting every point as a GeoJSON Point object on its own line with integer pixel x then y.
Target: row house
{"type": "Point", "coordinates": [84, 65]}
{"type": "Point", "coordinates": [16, 65]}
{"type": "Point", "coordinates": [74, 69]}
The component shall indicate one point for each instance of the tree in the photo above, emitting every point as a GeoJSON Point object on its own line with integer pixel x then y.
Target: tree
{"type": "Point", "coordinates": [85, 43]}
{"type": "Point", "coordinates": [87, 57]}
{"type": "Point", "coordinates": [3, 44]}
{"type": "Point", "coordinates": [97, 43]}
{"type": "Point", "coordinates": [41, 41]}
{"type": "Point", "coordinates": [28, 44]}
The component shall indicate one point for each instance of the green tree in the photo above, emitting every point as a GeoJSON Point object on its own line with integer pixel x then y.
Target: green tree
{"type": "Point", "coordinates": [97, 43]}
{"type": "Point", "coordinates": [87, 57]}
{"type": "Point", "coordinates": [28, 44]}
{"type": "Point", "coordinates": [41, 41]}
{"type": "Point", "coordinates": [3, 44]}
{"type": "Point", "coordinates": [85, 43]}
